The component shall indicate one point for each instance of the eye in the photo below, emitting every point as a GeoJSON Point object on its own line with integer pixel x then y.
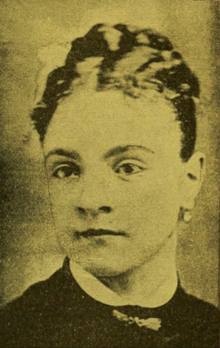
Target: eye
{"type": "Point", "coordinates": [67, 170]}
{"type": "Point", "coordinates": [129, 168]}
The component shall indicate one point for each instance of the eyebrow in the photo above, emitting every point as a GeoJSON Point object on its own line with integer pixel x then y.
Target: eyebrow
{"type": "Point", "coordinates": [113, 152]}
{"type": "Point", "coordinates": [61, 152]}
{"type": "Point", "coordinates": [121, 149]}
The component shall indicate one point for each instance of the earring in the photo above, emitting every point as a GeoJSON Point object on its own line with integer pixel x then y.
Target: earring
{"type": "Point", "coordinates": [187, 216]}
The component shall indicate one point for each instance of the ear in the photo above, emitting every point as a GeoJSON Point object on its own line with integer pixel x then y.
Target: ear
{"type": "Point", "coordinates": [194, 173]}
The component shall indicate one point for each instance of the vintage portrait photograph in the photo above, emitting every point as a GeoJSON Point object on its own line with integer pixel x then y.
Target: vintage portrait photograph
{"type": "Point", "coordinates": [109, 174]}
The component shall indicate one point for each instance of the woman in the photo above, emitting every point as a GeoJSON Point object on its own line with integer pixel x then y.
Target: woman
{"type": "Point", "coordinates": [117, 126]}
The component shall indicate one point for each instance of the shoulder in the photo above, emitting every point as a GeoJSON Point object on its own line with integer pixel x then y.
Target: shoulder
{"type": "Point", "coordinates": [35, 294]}
{"type": "Point", "coordinates": [201, 320]}
{"type": "Point", "coordinates": [42, 293]}
{"type": "Point", "coordinates": [199, 309]}
{"type": "Point", "coordinates": [34, 309]}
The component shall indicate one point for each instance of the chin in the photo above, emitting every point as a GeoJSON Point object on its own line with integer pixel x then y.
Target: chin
{"type": "Point", "coordinates": [108, 259]}
{"type": "Point", "coordinates": [107, 266]}
{"type": "Point", "coordinates": [105, 270]}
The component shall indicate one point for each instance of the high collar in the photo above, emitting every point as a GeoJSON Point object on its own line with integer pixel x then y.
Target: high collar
{"type": "Point", "coordinates": [94, 288]}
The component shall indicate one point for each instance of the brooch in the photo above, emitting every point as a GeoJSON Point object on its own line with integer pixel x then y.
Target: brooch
{"type": "Point", "coordinates": [150, 323]}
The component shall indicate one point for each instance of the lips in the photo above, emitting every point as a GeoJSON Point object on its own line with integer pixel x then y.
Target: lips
{"type": "Point", "coordinates": [98, 233]}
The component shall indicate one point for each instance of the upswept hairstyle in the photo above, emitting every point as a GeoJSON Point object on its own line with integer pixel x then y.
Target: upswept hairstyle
{"type": "Point", "coordinates": [131, 60]}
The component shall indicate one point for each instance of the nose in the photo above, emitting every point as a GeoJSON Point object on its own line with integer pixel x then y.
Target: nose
{"type": "Point", "coordinates": [92, 211]}
{"type": "Point", "coordinates": [94, 197]}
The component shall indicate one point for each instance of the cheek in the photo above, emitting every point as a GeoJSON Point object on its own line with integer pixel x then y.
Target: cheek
{"type": "Point", "coordinates": [153, 200]}
{"type": "Point", "coordinates": [61, 202]}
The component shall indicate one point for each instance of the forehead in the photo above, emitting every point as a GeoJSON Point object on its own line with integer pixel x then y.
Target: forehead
{"type": "Point", "coordinates": [110, 119]}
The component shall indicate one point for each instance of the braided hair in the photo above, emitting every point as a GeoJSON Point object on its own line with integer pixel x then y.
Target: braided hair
{"type": "Point", "coordinates": [129, 59]}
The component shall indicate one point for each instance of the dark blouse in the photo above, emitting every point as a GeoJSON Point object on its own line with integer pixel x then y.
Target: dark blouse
{"type": "Point", "coordinates": [58, 313]}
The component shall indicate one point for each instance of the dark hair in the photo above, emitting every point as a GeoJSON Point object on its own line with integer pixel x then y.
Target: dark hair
{"type": "Point", "coordinates": [140, 59]}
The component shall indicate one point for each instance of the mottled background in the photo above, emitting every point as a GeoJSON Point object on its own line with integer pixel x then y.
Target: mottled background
{"type": "Point", "coordinates": [28, 250]}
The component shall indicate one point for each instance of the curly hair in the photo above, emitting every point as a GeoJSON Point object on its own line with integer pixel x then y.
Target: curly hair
{"type": "Point", "coordinates": [129, 59]}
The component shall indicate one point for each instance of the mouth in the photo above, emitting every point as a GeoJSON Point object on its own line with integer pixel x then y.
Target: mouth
{"type": "Point", "coordinates": [98, 233]}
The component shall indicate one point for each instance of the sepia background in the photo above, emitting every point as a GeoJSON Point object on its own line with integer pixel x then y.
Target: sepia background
{"type": "Point", "coordinates": [28, 248]}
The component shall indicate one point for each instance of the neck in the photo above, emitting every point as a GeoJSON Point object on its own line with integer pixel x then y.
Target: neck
{"type": "Point", "coordinates": [151, 285]}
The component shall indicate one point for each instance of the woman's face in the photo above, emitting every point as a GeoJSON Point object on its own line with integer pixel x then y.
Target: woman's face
{"type": "Point", "coordinates": [115, 177]}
